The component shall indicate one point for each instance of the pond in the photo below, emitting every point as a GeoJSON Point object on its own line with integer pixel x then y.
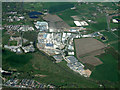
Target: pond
{"type": "Point", "coordinates": [34, 14]}
{"type": "Point", "coordinates": [103, 38]}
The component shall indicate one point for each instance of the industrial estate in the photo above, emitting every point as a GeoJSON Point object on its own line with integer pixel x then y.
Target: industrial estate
{"type": "Point", "coordinates": [60, 45]}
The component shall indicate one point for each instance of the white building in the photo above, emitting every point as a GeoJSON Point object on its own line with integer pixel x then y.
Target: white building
{"type": "Point", "coordinates": [77, 23]}
{"type": "Point", "coordinates": [115, 21]}
{"type": "Point", "coordinates": [81, 23]}
{"type": "Point", "coordinates": [42, 26]}
{"type": "Point", "coordinates": [70, 53]}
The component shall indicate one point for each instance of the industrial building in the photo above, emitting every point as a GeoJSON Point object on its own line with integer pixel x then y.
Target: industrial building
{"type": "Point", "coordinates": [42, 26]}
{"type": "Point", "coordinates": [81, 23]}
{"type": "Point", "coordinates": [76, 66]}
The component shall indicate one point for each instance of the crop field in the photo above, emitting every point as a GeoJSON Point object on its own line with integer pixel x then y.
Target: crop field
{"type": "Point", "coordinates": [91, 60]}
{"type": "Point", "coordinates": [87, 45]}
{"type": "Point", "coordinates": [87, 49]}
{"type": "Point", "coordinates": [55, 22]}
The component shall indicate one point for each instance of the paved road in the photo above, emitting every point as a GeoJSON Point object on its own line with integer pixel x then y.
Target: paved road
{"type": "Point", "coordinates": [108, 24]}
{"type": "Point", "coordinates": [113, 42]}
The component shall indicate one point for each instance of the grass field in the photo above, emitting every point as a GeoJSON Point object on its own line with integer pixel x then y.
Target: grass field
{"type": "Point", "coordinates": [34, 6]}
{"type": "Point", "coordinates": [5, 37]}
{"type": "Point", "coordinates": [54, 7]}
{"type": "Point", "coordinates": [13, 43]}
{"type": "Point", "coordinates": [66, 16]}
{"type": "Point", "coordinates": [31, 35]}
{"type": "Point", "coordinates": [114, 25]}
{"type": "Point", "coordinates": [100, 25]}
{"type": "Point", "coordinates": [108, 70]}
{"type": "Point", "coordinates": [116, 46]}
{"type": "Point", "coordinates": [117, 32]}
{"type": "Point", "coordinates": [38, 63]}
{"type": "Point", "coordinates": [82, 12]}
{"type": "Point", "coordinates": [58, 74]}
{"type": "Point", "coordinates": [110, 37]}
{"type": "Point", "coordinates": [11, 59]}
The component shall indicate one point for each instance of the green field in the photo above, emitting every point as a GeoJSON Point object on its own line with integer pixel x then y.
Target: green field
{"type": "Point", "coordinates": [110, 37]}
{"type": "Point", "coordinates": [5, 37]}
{"type": "Point", "coordinates": [58, 74]}
{"type": "Point", "coordinates": [113, 25]}
{"type": "Point", "coordinates": [13, 43]}
{"type": "Point", "coordinates": [108, 70]}
{"type": "Point", "coordinates": [38, 63]}
{"type": "Point", "coordinates": [101, 23]}
{"type": "Point", "coordinates": [34, 6]}
{"type": "Point", "coordinates": [13, 60]}
{"type": "Point", "coordinates": [54, 7]}
{"type": "Point", "coordinates": [30, 35]}
{"type": "Point", "coordinates": [117, 32]}
{"type": "Point", "coordinates": [66, 16]}
{"type": "Point", "coordinates": [116, 46]}
{"type": "Point", "coordinates": [82, 12]}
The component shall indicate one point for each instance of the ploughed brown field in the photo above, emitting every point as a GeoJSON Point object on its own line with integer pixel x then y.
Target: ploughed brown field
{"type": "Point", "coordinates": [87, 49]}
{"type": "Point", "coordinates": [55, 22]}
